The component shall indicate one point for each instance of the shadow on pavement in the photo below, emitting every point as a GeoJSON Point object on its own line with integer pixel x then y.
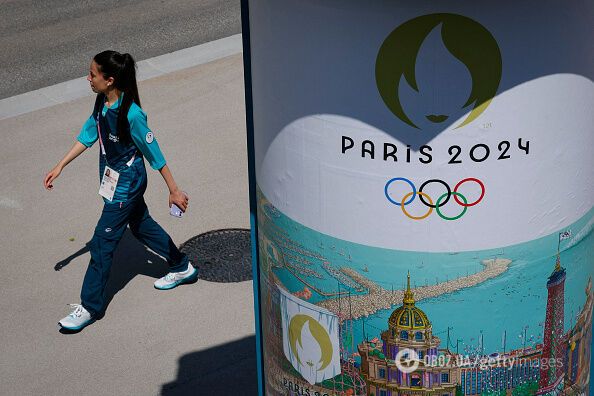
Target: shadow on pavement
{"type": "Point", "coordinates": [131, 258]}
{"type": "Point", "coordinates": [228, 369]}
{"type": "Point", "coordinates": [74, 255]}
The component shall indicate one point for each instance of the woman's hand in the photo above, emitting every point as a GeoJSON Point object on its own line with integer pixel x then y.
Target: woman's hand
{"type": "Point", "coordinates": [176, 196]}
{"type": "Point", "coordinates": [180, 199]}
{"type": "Point", "coordinates": [51, 176]}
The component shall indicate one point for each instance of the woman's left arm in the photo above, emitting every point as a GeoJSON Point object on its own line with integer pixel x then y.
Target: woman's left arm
{"type": "Point", "coordinates": [176, 196]}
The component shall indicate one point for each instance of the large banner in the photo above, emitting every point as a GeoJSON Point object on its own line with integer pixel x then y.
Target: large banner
{"type": "Point", "coordinates": [425, 176]}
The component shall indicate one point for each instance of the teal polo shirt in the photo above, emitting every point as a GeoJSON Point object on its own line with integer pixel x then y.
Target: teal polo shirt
{"type": "Point", "coordinates": [132, 180]}
{"type": "Point", "coordinates": [141, 134]}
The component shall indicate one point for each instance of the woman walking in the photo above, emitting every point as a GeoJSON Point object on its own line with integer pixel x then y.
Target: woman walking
{"type": "Point", "coordinates": [125, 140]}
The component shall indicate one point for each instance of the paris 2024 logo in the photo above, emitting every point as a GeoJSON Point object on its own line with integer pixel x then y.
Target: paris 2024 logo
{"type": "Point", "coordinates": [471, 44]}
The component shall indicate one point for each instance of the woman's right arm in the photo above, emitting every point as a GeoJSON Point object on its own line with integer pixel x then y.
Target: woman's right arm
{"type": "Point", "coordinates": [52, 175]}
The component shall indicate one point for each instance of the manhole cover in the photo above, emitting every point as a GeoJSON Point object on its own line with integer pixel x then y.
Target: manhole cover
{"type": "Point", "coordinates": [221, 255]}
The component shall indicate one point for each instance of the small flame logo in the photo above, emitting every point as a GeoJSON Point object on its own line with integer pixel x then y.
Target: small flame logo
{"type": "Point", "coordinates": [467, 40]}
{"type": "Point", "coordinates": [314, 332]}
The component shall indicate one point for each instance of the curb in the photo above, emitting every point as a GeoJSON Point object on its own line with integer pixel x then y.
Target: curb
{"type": "Point", "coordinates": [147, 69]}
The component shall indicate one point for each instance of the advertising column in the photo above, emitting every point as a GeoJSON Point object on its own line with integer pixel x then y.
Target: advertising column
{"type": "Point", "coordinates": [424, 181]}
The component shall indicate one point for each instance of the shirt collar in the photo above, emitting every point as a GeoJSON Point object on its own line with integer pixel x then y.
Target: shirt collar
{"type": "Point", "coordinates": [116, 104]}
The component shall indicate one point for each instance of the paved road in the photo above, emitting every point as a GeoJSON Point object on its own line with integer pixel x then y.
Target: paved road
{"type": "Point", "coordinates": [44, 43]}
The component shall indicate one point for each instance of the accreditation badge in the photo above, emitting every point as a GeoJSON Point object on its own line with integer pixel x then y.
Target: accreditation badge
{"type": "Point", "coordinates": [109, 182]}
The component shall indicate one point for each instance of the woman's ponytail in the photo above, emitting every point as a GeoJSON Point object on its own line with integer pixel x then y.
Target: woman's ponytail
{"type": "Point", "coordinates": [122, 68]}
{"type": "Point", "coordinates": [126, 83]}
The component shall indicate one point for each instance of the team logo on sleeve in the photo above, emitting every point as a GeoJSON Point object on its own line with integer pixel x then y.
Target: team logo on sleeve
{"type": "Point", "coordinates": [149, 137]}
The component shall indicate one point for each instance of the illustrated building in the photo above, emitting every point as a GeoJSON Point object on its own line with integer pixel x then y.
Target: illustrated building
{"type": "Point", "coordinates": [579, 349]}
{"type": "Point", "coordinates": [551, 376]}
{"type": "Point", "coordinates": [501, 373]}
{"type": "Point", "coordinates": [409, 329]}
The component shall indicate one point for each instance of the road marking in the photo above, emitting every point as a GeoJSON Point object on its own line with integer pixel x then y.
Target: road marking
{"type": "Point", "coordinates": [147, 69]}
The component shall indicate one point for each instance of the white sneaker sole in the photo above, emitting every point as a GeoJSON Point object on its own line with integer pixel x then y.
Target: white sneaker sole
{"type": "Point", "coordinates": [76, 328]}
{"type": "Point", "coordinates": [190, 278]}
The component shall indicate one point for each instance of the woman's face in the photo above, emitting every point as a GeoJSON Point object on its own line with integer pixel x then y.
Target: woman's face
{"type": "Point", "coordinates": [95, 78]}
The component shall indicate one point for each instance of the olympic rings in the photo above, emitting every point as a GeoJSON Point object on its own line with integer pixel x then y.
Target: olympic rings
{"type": "Point", "coordinates": [427, 201]}
{"type": "Point", "coordinates": [420, 194]}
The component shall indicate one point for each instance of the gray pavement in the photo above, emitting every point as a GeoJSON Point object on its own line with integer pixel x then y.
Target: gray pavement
{"type": "Point", "coordinates": [195, 339]}
{"type": "Point", "coordinates": [43, 42]}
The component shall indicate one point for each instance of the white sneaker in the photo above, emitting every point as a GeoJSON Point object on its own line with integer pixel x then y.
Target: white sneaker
{"type": "Point", "coordinates": [174, 279]}
{"type": "Point", "coordinates": [78, 318]}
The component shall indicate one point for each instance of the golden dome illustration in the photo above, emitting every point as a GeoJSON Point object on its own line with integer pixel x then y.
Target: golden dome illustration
{"type": "Point", "coordinates": [408, 316]}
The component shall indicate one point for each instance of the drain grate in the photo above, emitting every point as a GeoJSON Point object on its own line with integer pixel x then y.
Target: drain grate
{"type": "Point", "coordinates": [221, 255]}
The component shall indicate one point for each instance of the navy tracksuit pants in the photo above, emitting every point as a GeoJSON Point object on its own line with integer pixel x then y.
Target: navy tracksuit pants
{"type": "Point", "coordinates": [108, 233]}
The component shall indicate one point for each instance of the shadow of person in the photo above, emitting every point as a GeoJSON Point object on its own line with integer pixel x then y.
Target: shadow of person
{"type": "Point", "coordinates": [228, 369]}
{"type": "Point", "coordinates": [131, 258]}
{"type": "Point", "coordinates": [67, 260]}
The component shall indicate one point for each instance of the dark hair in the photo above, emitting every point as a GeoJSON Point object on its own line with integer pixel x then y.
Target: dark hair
{"type": "Point", "coordinates": [123, 70]}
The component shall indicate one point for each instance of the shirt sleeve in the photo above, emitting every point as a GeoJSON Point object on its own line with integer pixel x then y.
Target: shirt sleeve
{"type": "Point", "coordinates": [144, 139]}
{"type": "Point", "coordinates": [88, 133]}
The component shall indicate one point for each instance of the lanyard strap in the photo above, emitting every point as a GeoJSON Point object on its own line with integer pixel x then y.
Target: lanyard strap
{"type": "Point", "coordinates": [100, 140]}
{"type": "Point", "coordinates": [129, 163]}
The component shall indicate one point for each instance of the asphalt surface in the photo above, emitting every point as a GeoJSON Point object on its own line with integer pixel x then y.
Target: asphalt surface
{"type": "Point", "coordinates": [47, 42]}
{"type": "Point", "coordinates": [195, 339]}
